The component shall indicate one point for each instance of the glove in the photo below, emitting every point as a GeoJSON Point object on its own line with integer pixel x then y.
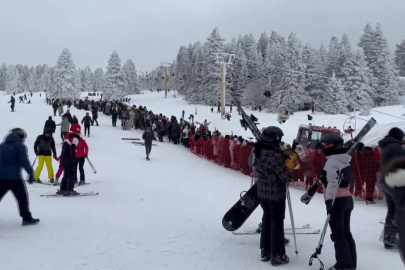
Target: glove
{"type": "Point", "coordinates": [31, 179]}
{"type": "Point", "coordinates": [36, 153]}
{"type": "Point", "coordinates": [85, 156]}
{"type": "Point", "coordinates": [55, 157]}
{"type": "Point", "coordinates": [329, 207]}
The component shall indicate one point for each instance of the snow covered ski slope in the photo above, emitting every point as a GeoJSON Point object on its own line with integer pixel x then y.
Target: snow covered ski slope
{"type": "Point", "coordinates": [162, 214]}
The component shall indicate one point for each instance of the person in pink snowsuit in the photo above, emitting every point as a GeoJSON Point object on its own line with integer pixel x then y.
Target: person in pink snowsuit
{"type": "Point", "coordinates": [59, 172]}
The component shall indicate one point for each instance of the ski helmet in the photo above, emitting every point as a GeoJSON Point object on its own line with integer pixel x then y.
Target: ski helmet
{"type": "Point", "coordinates": [20, 133]}
{"type": "Point", "coordinates": [273, 134]}
{"type": "Point", "coordinates": [332, 144]}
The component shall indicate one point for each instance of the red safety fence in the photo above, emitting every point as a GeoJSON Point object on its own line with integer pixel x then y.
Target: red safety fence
{"type": "Point", "coordinates": [234, 155]}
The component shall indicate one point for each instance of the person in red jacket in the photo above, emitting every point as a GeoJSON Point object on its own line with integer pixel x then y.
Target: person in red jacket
{"type": "Point", "coordinates": [82, 150]}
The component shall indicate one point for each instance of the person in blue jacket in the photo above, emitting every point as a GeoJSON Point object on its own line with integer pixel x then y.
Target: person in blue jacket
{"type": "Point", "coordinates": [13, 158]}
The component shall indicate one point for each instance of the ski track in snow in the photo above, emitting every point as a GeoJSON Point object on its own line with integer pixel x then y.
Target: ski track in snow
{"type": "Point", "coordinates": [165, 213]}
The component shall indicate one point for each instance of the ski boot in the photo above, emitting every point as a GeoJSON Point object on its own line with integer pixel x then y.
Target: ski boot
{"type": "Point", "coordinates": [51, 181]}
{"type": "Point", "coordinates": [71, 193]}
{"type": "Point", "coordinates": [265, 255]}
{"type": "Point", "coordinates": [56, 183]}
{"type": "Point", "coordinates": [82, 183]}
{"type": "Point", "coordinates": [29, 221]}
{"type": "Point", "coordinates": [37, 181]}
{"type": "Point", "coordinates": [277, 259]}
{"type": "Point", "coordinates": [390, 239]}
{"type": "Point", "coordinates": [286, 241]}
{"type": "Point", "coordinates": [147, 157]}
{"type": "Point", "coordinates": [60, 192]}
{"type": "Point", "coordinates": [75, 182]}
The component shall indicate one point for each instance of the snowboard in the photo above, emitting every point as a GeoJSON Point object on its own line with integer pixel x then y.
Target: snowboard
{"type": "Point", "coordinates": [241, 210]}
{"type": "Point", "coordinates": [351, 146]}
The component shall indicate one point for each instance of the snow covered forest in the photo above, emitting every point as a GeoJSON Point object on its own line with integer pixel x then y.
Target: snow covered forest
{"type": "Point", "coordinates": [66, 81]}
{"type": "Point", "coordinates": [338, 79]}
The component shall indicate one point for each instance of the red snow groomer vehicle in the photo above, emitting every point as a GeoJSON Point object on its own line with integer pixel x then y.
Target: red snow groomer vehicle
{"type": "Point", "coordinates": [312, 160]}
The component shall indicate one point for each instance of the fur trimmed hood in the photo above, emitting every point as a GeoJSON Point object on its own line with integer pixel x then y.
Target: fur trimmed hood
{"type": "Point", "coordinates": [395, 173]}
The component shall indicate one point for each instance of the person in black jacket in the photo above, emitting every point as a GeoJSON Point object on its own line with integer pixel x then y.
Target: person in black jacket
{"type": "Point", "coordinates": [55, 106]}
{"type": "Point", "coordinates": [50, 124]}
{"type": "Point", "coordinates": [148, 138]}
{"type": "Point", "coordinates": [12, 101]}
{"type": "Point", "coordinates": [13, 158]}
{"type": "Point", "coordinates": [69, 116]}
{"type": "Point", "coordinates": [114, 115]}
{"type": "Point", "coordinates": [391, 148]}
{"type": "Point", "coordinates": [44, 148]}
{"type": "Point", "coordinates": [87, 121]}
{"type": "Point", "coordinates": [94, 112]}
{"type": "Point", "coordinates": [75, 120]}
{"type": "Point", "coordinates": [68, 159]}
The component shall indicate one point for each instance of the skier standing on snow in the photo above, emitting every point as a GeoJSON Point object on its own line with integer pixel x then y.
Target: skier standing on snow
{"type": "Point", "coordinates": [394, 173]}
{"type": "Point", "coordinates": [12, 101]}
{"type": "Point", "coordinates": [94, 114]}
{"type": "Point", "coordinates": [82, 150]}
{"type": "Point", "coordinates": [64, 129]}
{"type": "Point", "coordinates": [272, 177]}
{"type": "Point", "coordinates": [339, 201]}
{"type": "Point", "coordinates": [391, 148]}
{"type": "Point", "coordinates": [68, 157]}
{"type": "Point", "coordinates": [87, 121]}
{"type": "Point", "coordinates": [44, 148]}
{"type": "Point", "coordinates": [50, 124]}
{"type": "Point", "coordinates": [13, 158]}
{"type": "Point", "coordinates": [148, 138]}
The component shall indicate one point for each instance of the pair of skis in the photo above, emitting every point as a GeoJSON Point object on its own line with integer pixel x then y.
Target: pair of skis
{"type": "Point", "coordinates": [135, 139]}
{"type": "Point", "coordinates": [84, 194]}
{"type": "Point", "coordinates": [301, 230]}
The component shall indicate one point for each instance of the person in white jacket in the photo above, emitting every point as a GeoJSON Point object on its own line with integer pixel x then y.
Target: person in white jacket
{"type": "Point", "coordinates": [154, 130]}
{"type": "Point", "coordinates": [186, 132]}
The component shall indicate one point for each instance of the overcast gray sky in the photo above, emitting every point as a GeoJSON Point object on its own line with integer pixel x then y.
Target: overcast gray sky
{"type": "Point", "coordinates": [151, 31]}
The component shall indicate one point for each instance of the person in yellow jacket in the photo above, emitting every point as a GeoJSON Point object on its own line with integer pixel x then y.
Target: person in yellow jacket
{"type": "Point", "coordinates": [44, 148]}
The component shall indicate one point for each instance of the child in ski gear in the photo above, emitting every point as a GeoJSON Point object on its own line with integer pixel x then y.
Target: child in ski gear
{"type": "Point", "coordinates": [394, 173]}
{"type": "Point", "coordinates": [338, 199]}
{"type": "Point", "coordinates": [68, 157]}
{"type": "Point", "coordinates": [44, 148]}
{"type": "Point", "coordinates": [272, 176]}
{"type": "Point", "coordinates": [87, 121]}
{"type": "Point", "coordinates": [82, 150]}
{"type": "Point", "coordinates": [59, 172]}
{"type": "Point", "coordinates": [148, 138]}
{"type": "Point", "coordinates": [13, 158]}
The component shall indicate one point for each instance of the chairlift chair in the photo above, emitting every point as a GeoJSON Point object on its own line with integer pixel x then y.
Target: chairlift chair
{"type": "Point", "coordinates": [283, 114]}
{"type": "Point", "coordinates": [349, 124]}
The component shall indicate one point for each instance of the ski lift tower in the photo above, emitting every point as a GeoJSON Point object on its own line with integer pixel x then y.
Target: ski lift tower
{"type": "Point", "coordinates": [165, 67]}
{"type": "Point", "coordinates": [223, 59]}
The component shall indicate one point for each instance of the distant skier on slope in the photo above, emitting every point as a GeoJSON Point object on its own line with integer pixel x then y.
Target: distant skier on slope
{"type": "Point", "coordinates": [50, 124]}
{"type": "Point", "coordinates": [12, 101]}
{"type": "Point", "coordinates": [13, 158]}
{"type": "Point", "coordinates": [148, 138]}
{"type": "Point", "coordinates": [272, 177]}
{"type": "Point", "coordinates": [87, 121]}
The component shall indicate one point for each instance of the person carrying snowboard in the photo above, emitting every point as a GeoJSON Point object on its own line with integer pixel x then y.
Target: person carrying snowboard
{"type": "Point", "coordinates": [12, 101]}
{"type": "Point", "coordinates": [44, 148]}
{"type": "Point", "coordinates": [50, 124]}
{"type": "Point", "coordinates": [148, 138]}
{"type": "Point", "coordinates": [68, 158]}
{"type": "Point", "coordinates": [13, 158]}
{"type": "Point", "coordinates": [272, 176]}
{"type": "Point", "coordinates": [87, 121]}
{"type": "Point", "coordinates": [82, 150]}
{"type": "Point", "coordinates": [338, 199]}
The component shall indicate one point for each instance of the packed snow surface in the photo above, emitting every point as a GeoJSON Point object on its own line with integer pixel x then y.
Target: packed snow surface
{"type": "Point", "coordinates": [165, 213]}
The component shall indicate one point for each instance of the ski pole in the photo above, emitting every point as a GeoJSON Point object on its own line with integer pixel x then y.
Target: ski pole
{"type": "Point", "coordinates": [318, 249]}
{"type": "Point", "coordinates": [91, 165]}
{"type": "Point", "coordinates": [33, 164]}
{"type": "Point", "coordinates": [292, 219]}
